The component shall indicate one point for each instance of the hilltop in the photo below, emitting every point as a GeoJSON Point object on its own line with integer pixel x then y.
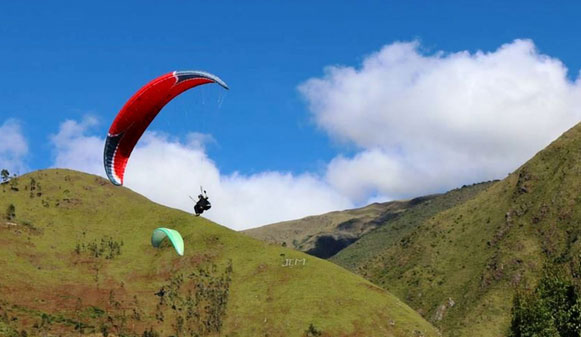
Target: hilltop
{"type": "Point", "coordinates": [76, 258]}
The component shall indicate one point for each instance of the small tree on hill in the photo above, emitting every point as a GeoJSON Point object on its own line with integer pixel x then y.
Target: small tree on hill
{"type": "Point", "coordinates": [14, 183]}
{"type": "Point", "coordinates": [312, 331]}
{"type": "Point", "coordinates": [10, 212]}
{"type": "Point", "coordinates": [32, 187]}
{"type": "Point", "coordinates": [552, 309]}
{"type": "Point", "coordinates": [5, 175]}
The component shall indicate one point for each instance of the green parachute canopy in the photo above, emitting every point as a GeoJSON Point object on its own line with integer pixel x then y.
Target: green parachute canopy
{"type": "Point", "coordinates": [174, 237]}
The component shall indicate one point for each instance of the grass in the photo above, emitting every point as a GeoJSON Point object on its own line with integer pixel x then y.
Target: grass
{"type": "Point", "coordinates": [325, 235]}
{"type": "Point", "coordinates": [397, 229]}
{"type": "Point", "coordinates": [43, 274]}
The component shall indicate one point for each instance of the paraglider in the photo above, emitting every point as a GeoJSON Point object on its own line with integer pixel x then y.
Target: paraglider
{"type": "Point", "coordinates": [203, 204]}
{"type": "Point", "coordinates": [136, 115]}
{"type": "Point", "coordinates": [174, 237]}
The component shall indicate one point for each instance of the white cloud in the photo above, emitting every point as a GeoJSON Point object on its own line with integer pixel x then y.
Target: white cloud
{"type": "Point", "coordinates": [13, 147]}
{"type": "Point", "coordinates": [367, 174]}
{"type": "Point", "coordinates": [199, 140]}
{"type": "Point", "coordinates": [425, 123]}
{"type": "Point", "coordinates": [274, 196]}
{"type": "Point", "coordinates": [75, 150]}
{"type": "Point", "coordinates": [166, 171]}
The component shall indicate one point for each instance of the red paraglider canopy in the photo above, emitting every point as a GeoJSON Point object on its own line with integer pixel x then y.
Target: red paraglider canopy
{"type": "Point", "coordinates": [140, 110]}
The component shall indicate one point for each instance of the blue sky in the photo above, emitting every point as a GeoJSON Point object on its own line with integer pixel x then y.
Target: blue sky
{"type": "Point", "coordinates": [68, 60]}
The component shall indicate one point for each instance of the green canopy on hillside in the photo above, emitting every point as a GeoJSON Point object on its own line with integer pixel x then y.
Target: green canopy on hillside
{"type": "Point", "coordinates": [174, 236]}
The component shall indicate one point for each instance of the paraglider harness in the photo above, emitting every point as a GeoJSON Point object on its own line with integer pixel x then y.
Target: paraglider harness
{"type": "Point", "coordinates": [203, 204]}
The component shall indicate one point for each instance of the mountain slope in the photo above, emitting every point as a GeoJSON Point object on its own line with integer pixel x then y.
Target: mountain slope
{"type": "Point", "coordinates": [396, 229]}
{"type": "Point", "coordinates": [325, 235]}
{"type": "Point", "coordinates": [461, 267]}
{"type": "Point", "coordinates": [76, 258]}
{"type": "Point", "coordinates": [334, 233]}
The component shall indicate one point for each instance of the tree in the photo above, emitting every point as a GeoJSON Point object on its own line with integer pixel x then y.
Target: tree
{"type": "Point", "coordinates": [552, 309]}
{"type": "Point", "coordinates": [14, 183]}
{"type": "Point", "coordinates": [531, 318]}
{"type": "Point", "coordinates": [312, 331]}
{"type": "Point", "coordinates": [11, 212]}
{"type": "Point", "coordinates": [5, 175]}
{"type": "Point", "coordinates": [32, 187]}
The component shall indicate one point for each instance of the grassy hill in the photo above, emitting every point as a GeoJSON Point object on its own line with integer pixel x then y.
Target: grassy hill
{"type": "Point", "coordinates": [396, 229]}
{"type": "Point", "coordinates": [325, 235]}
{"type": "Point", "coordinates": [76, 259]}
{"type": "Point", "coordinates": [334, 233]}
{"type": "Point", "coordinates": [461, 267]}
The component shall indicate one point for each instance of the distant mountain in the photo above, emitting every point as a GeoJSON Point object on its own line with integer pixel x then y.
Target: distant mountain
{"type": "Point", "coordinates": [76, 259]}
{"type": "Point", "coordinates": [325, 235]}
{"type": "Point", "coordinates": [461, 267]}
{"type": "Point", "coordinates": [328, 234]}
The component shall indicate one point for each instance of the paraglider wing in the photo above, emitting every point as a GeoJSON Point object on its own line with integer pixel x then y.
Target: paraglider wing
{"type": "Point", "coordinates": [174, 237]}
{"type": "Point", "coordinates": [136, 115]}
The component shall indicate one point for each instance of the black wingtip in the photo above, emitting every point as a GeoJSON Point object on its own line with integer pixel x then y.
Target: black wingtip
{"type": "Point", "coordinates": [189, 74]}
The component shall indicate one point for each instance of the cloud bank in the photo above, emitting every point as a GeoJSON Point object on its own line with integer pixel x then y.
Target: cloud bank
{"type": "Point", "coordinates": [13, 147]}
{"type": "Point", "coordinates": [75, 149]}
{"type": "Point", "coordinates": [422, 123]}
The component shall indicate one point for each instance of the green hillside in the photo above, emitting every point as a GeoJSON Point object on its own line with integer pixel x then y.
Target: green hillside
{"type": "Point", "coordinates": [332, 235]}
{"type": "Point", "coordinates": [324, 235]}
{"type": "Point", "coordinates": [461, 267]}
{"type": "Point", "coordinates": [76, 259]}
{"type": "Point", "coordinates": [395, 229]}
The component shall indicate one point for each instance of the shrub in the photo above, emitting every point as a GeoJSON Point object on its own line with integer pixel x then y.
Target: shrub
{"type": "Point", "coordinates": [552, 309]}
{"type": "Point", "coordinates": [10, 212]}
